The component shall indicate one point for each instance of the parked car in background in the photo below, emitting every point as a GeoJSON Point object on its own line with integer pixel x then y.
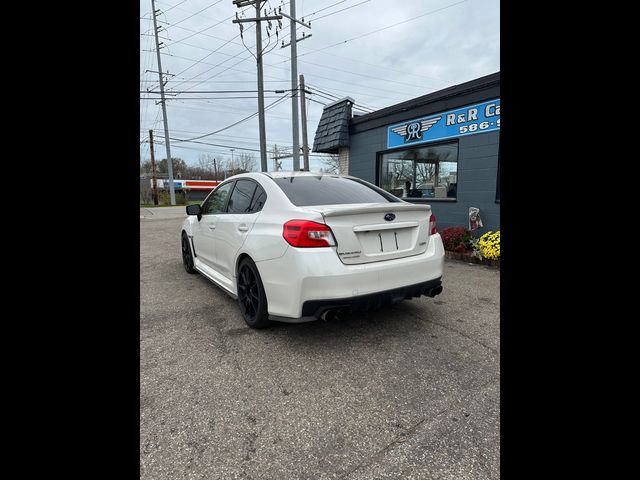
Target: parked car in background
{"type": "Point", "coordinates": [298, 246]}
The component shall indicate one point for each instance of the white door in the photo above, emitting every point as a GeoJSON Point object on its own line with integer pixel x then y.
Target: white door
{"type": "Point", "coordinates": [204, 229]}
{"type": "Point", "coordinates": [233, 227]}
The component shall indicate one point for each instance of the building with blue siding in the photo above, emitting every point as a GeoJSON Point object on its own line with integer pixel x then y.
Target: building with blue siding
{"type": "Point", "coordinates": [442, 149]}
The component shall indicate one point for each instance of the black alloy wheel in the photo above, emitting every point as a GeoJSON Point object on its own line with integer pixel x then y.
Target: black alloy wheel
{"type": "Point", "coordinates": [251, 296]}
{"type": "Point", "coordinates": [187, 255]}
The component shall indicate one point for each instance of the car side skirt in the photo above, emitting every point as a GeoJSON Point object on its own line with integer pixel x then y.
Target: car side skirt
{"type": "Point", "coordinates": [210, 274]}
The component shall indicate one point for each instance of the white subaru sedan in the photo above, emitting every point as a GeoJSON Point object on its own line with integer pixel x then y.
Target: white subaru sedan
{"type": "Point", "coordinates": [300, 246]}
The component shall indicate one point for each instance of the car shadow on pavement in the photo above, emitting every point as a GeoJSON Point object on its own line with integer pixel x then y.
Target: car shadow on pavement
{"type": "Point", "coordinates": [398, 320]}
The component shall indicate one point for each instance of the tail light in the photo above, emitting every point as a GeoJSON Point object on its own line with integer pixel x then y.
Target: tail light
{"type": "Point", "coordinates": [305, 234]}
{"type": "Point", "coordinates": [432, 225]}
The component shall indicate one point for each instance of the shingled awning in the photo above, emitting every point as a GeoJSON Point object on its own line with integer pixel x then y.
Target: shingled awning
{"type": "Point", "coordinates": [333, 129]}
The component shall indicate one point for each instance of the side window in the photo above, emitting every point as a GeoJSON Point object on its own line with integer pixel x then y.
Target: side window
{"type": "Point", "coordinates": [258, 200]}
{"type": "Point", "coordinates": [240, 200]}
{"type": "Point", "coordinates": [215, 203]}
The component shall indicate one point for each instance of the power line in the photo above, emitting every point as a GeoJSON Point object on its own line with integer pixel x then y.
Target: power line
{"type": "Point", "coordinates": [330, 79]}
{"type": "Point", "coordinates": [207, 56]}
{"type": "Point", "coordinates": [226, 152]}
{"type": "Point", "coordinates": [199, 11]}
{"type": "Point", "coordinates": [241, 139]}
{"type": "Point", "coordinates": [201, 32]}
{"type": "Point", "coordinates": [172, 6]}
{"type": "Point", "coordinates": [383, 67]}
{"type": "Point", "coordinates": [316, 101]}
{"type": "Point", "coordinates": [236, 123]}
{"type": "Point", "coordinates": [215, 144]}
{"type": "Point", "coordinates": [375, 77]}
{"type": "Point", "coordinates": [221, 72]}
{"type": "Point", "coordinates": [224, 81]}
{"type": "Point", "coordinates": [341, 10]}
{"type": "Point", "coordinates": [213, 91]}
{"type": "Point", "coordinates": [382, 29]}
{"type": "Point", "coordinates": [211, 53]}
{"type": "Point", "coordinates": [227, 68]}
{"type": "Point", "coordinates": [230, 56]}
{"type": "Point", "coordinates": [201, 107]}
{"type": "Point", "coordinates": [334, 94]}
{"type": "Point", "coordinates": [333, 98]}
{"type": "Point", "coordinates": [191, 79]}
{"type": "Point", "coordinates": [205, 98]}
{"type": "Point", "coordinates": [217, 49]}
{"type": "Point", "coordinates": [325, 8]}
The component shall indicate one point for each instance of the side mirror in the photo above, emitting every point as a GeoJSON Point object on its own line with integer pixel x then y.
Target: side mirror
{"type": "Point", "coordinates": [194, 210]}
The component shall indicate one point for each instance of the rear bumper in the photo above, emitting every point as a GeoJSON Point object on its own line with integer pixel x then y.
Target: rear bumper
{"type": "Point", "coordinates": [304, 279]}
{"type": "Point", "coordinates": [315, 309]}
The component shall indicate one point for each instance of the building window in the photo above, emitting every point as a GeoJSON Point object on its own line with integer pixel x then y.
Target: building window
{"type": "Point", "coordinates": [428, 172]}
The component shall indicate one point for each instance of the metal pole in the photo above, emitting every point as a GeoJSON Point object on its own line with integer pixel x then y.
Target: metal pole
{"type": "Point", "coordinates": [154, 184]}
{"type": "Point", "coordinates": [294, 86]}
{"type": "Point", "coordinates": [167, 146]}
{"type": "Point", "coordinates": [261, 120]}
{"type": "Point", "coordinates": [303, 111]}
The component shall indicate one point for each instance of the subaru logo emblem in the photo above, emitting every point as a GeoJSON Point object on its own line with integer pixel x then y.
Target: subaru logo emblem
{"type": "Point", "coordinates": [389, 216]}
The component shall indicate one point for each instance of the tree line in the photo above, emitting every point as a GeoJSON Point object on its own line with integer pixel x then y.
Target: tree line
{"type": "Point", "coordinates": [209, 166]}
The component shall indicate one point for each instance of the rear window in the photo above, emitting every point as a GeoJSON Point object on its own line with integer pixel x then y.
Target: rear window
{"type": "Point", "coordinates": [306, 190]}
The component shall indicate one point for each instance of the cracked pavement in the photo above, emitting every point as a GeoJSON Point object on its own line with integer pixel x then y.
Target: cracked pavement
{"type": "Point", "coordinates": [409, 391]}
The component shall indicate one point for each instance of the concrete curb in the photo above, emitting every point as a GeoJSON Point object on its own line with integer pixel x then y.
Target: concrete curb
{"type": "Point", "coordinates": [469, 258]}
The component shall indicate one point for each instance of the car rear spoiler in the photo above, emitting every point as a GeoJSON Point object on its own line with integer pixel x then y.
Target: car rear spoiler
{"type": "Point", "coordinates": [370, 208]}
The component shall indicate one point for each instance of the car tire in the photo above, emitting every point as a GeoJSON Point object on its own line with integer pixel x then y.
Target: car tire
{"type": "Point", "coordinates": [252, 298]}
{"type": "Point", "coordinates": [187, 255]}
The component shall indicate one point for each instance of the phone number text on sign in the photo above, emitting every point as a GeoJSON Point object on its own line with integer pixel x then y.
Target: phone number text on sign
{"type": "Point", "coordinates": [478, 126]}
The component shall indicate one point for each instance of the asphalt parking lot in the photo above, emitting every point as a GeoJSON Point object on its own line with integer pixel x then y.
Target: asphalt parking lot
{"type": "Point", "coordinates": [410, 391]}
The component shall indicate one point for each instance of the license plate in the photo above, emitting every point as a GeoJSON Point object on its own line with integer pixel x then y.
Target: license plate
{"type": "Point", "coordinates": [389, 241]}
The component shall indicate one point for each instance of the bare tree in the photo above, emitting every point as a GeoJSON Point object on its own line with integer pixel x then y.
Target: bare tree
{"type": "Point", "coordinates": [245, 161]}
{"type": "Point", "coordinates": [208, 163]}
{"type": "Point", "coordinates": [331, 163]}
{"type": "Point", "coordinates": [399, 173]}
{"type": "Point", "coordinates": [145, 167]}
{"type": "Point", "coordinates": [425, 172]}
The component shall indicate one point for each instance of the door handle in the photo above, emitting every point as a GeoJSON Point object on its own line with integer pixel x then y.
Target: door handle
{"type": "Point", "coordinates": [243, 228]}
{"type": "Point", "coordinates": [212, 227]}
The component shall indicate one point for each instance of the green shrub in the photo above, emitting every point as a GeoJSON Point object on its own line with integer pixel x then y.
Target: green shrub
{"type": "Point", "coordinates": [165, 199]}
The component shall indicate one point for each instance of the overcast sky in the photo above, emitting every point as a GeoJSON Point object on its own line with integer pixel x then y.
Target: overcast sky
{"type": "Point", "coordinates": [458, 42]}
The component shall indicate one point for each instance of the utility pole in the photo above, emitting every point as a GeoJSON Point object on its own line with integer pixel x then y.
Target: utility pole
{"type": "Point", "coordinates": [233, 164]}
{"type": "Point", "coordinates": [277, 165]}
{"type": "Point", "coordinates": [261, 121]}
{"type": "Point", "coordinates": [303, 110]}
{"type": "Point", "coordinates": [294, 86]}
{"type": "Point", "coordinates": [167, 146]}
{"type": "Point", "coordinates": [294, 79]}
{"type": "Point", "coordinates": [154, 184]}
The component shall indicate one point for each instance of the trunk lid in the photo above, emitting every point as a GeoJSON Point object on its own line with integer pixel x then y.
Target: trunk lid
{"type": "Point", "coordinates": [374, 232]}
